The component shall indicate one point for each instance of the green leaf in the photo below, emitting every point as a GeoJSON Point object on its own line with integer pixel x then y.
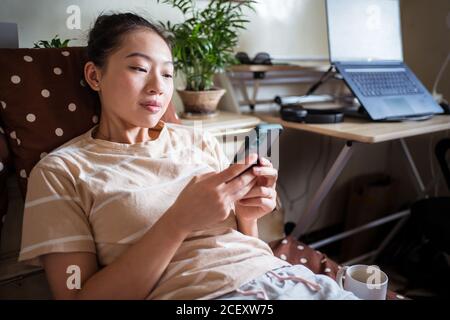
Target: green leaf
{"type": "Point", "coordinates": [53, 43]}
{"type": "Point", "coordinates": [203, 43]}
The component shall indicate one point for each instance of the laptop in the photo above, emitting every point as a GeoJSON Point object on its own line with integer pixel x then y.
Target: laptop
{"type": "Point", "coordinates": [365, 47]}
{"type": "Point", "coordinates": [9, 36]}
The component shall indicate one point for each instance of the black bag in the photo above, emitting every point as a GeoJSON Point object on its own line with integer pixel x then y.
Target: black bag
{"type": "Point", "coordinates": [421, 250]}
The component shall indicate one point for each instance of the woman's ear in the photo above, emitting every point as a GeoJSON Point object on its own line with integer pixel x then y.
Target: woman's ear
{"type": "Point", "coordinates": [93, 75]}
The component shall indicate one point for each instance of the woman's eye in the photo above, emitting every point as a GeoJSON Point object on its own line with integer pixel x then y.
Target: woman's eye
{"type": "Point", "coordinates": [168, 75]}
{"type": "Point", "coordinates": [139, 69]}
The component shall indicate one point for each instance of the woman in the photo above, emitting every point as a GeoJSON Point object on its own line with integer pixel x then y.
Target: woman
{"type": "Point", "coordinates": [142, 209]}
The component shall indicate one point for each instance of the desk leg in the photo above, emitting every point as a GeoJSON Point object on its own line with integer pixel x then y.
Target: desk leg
{"type": "Point", "coordinates": [313, 206]}
{"type": "Point", "coordinates": [304, 222]}
{"type": "Point", "coordinates": [421, 186]}
{"type": "Point", "coordinates": [251, 102]}
{"type": "Point", "coordinates": [421, 193]}
{"type": "Point", "coordinates": [244, 92]}
{"type": "Point", "coordinates": [255, 93]}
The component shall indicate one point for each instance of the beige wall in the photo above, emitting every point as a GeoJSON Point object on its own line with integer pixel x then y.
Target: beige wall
{"type": "Point", "coordinates": [286, 28]}
{"type": "Point", "coordinates": [426, 38]}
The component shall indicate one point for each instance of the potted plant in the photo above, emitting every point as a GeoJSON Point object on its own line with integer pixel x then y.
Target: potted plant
{"type": "Point", "coordinates": [203, 46]}
{"type": "Point", "coordinates": [56, 42]}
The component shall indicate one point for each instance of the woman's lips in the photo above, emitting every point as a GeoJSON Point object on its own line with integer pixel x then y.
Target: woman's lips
{"type": "Point", "coordinates": [152, 106]}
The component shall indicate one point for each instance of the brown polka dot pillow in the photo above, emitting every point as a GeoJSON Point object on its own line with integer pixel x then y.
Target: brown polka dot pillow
{"type": "Point", "coordinates": [4, 162]}
{"type": "Point", "coordinates": [45, 102]}
{"type": "Point", "coordinates": [296, 252]}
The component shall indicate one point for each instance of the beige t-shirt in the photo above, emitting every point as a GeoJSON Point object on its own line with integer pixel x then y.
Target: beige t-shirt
{"type": "Point", "coordinates": [98, 196]}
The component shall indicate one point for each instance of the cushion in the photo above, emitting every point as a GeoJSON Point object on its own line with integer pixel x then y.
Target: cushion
{"type": "Point", "coordinates": [4, 162]}
{"type": "Point", "coordinates": [45, 102]}
{"type": "Point", "coordinates": [296, 252]}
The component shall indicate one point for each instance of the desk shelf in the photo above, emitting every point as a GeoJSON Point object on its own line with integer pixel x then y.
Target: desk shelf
{"type": "Point", "coordinates": [257, 75]}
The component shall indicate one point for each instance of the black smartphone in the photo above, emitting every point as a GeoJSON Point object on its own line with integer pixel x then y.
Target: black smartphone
{"type": "Point", "coordinates": [259, 141]}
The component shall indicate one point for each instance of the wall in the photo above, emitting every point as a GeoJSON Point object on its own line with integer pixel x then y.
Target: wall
{"type": "Point", "coordinates": [299, 23]}
{"type": "Point", "coordinates": [287, 29]}
{"type": "Point", "coordinates": [43, 19]}
{"type": "Point", "coordinates": [426, 38]}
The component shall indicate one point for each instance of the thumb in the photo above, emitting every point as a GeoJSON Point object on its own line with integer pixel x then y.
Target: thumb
{"type": "Point", "coordinates": [236, 169]}
{"type": "Point", "coordinates": [203, 176]}
{"type": "Point", "coordinates": [200, 177]}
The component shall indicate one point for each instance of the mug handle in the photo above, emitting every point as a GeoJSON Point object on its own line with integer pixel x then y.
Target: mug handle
{"type": "Point", "coordinates": [340, 274]}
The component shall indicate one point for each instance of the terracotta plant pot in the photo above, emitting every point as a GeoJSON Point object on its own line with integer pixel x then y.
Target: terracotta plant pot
{"type": "Point", "coordinates": [201, 101]}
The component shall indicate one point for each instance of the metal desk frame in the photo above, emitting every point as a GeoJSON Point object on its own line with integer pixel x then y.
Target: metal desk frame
{"type": "Point", "coordinates": [353, 132]}
{"type": "Point", "coordinates": [313, 206]}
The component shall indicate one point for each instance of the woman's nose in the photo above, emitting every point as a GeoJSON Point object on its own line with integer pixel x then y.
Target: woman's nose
{"type": "Point", "coordinates": [154, 85]}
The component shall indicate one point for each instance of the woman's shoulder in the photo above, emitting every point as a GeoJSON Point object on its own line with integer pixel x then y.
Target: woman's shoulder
{"type": "Point", "coordinates": [59, 158]}
{"type": "Point", "coordinates": [195, 133]}
{"type": "Point", "coordinates": [200, 140]}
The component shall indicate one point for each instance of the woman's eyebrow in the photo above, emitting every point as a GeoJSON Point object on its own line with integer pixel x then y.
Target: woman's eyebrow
{"type": "Point", "coordinates": [142, 55]}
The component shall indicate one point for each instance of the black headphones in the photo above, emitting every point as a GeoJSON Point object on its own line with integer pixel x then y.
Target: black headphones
{"type": "Point", "coordinates": [297, 113]}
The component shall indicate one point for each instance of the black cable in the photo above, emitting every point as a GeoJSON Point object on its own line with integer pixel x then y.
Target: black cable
{"type": "Point", "coordinates": [319, 83]}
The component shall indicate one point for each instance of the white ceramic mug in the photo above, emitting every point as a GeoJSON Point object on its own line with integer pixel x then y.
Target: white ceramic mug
{"type": "Point", "coordinates": [366, 282]}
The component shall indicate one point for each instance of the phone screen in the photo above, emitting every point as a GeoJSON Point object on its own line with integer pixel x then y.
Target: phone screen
{"type": "Point", "coordinates": [259, 141]}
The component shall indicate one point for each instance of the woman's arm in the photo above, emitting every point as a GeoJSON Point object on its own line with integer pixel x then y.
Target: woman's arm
{"type": "Point", "coordinates": [248, 227]}
{"type": "Point", "coordinates": [132, 276]}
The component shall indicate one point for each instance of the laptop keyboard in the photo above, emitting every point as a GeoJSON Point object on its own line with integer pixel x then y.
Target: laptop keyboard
{"type": "Point", "coordinates": [384, 83]}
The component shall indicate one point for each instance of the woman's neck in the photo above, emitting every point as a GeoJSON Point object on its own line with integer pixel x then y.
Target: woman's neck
{"type": "Point", "coordinates": [122, 134]}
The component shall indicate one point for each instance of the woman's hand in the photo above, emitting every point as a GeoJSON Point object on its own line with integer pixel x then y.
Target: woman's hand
{"type": "Point", "coordinates": [209, 198]}
{"type": "Point", "coordinates": [261, 199]}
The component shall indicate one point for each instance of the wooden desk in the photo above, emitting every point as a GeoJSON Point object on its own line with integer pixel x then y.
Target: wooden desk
{"type": "Point", "coordinates": [354, 131]}
{"type": "Point", "coordinates": [229, 128]}
{"type": "Point", "coordinates": [359, 130]}
{"type": "Point", "coordinates": [228, 123]}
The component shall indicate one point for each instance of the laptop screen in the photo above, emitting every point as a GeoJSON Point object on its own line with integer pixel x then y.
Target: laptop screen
{"type": "Point", "coordinates": [364, 30]}
{"type": "Point", "coordinates": [8, 35]}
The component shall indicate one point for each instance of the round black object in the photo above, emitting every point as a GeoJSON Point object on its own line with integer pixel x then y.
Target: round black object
{"type": "Point", "coordinates": [293, 114]}
{"type": "Point", "coordinates": [323, 116]}
{"type": "Point", "coordinates": [243, 58]}
{"type": "Point", "coordinates": [297, 114]}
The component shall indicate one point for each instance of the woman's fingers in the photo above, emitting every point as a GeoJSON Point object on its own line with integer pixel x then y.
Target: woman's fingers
{"type": "Point", "coordinates": [234, 170]}
{"type": "Point", "coordinates": [240, 193]}
{"type": "Point", "coordinates": [271, 174]}
{"type": "Point", "coordinates": [237, 184]}
{"type": "Point", "coordinates": [265, 171]}
{"type": "Point", "coordinates": [260, 192]}
{"type": "Point", "coordinates": [265, 162]}
{"type": "Point", "coordinates": [258, 202]}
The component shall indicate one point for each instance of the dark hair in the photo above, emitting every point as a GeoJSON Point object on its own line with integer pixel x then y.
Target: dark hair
{"type": "Point", "coordinates": [106, 35]}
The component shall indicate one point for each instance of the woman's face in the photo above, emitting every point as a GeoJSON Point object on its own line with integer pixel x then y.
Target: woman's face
{"type": "Point", "coordinates": [136, 83]}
